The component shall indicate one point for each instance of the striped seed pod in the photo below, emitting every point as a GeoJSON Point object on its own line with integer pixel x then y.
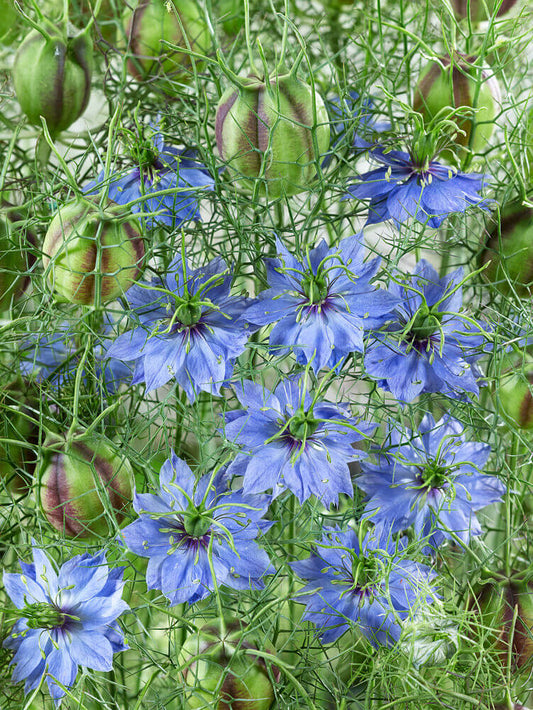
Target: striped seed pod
{"type": "Point", "coordinates": [481, 10]}
{"type": "Point", "coordinates": [221, 672]}
{"type": "Point", "coordinates": [79, 482]}
{"type": "Point", "coordinates": [156, 21]}
{"type": "Point", "coordinates": [448, 83]}
{"type": "Point", "coordinates": [91, 254]}
{"type": "Point", "coordinates": [275, 130]}
{"type": "Point", "coordinates": [515, 392]}
{"type": "Point", "coordinates": [508, 253]}
{"type": "Point", "coordinates": [52, 76]}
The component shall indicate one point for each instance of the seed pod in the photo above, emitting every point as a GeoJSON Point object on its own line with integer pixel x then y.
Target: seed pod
{"type": "Point", "coordinates": [506, 608]}
{"type": "Point", "coordinates": [515, 392]}
{"type": "Point", "coordinates": [19, 433]}
{"type": "Point", "coordinates": [275, 130]}
{"type": "Point", "coordinates": [52, 76]}
{"type": "Point", "coordinates": [509, 253]}
{"type": "Point", "coordinates": [92, 253]}
{"type": "Point", "coordinates": [12, 264]}
{"type": "Point", "coordinates": [8, 21]}
{"type": "Point", "coordinates": [443, 84]}
{"type": "Point", "coordinates": [481, 10]}
{"type": "Point", "coordinates": [230, 14]}
{"type": "Point", "coordinates": [79, 482]}
{"type": "Point", "coordinates": [156, 21]}
{"type": "Point", "coordinates": [222, 672]}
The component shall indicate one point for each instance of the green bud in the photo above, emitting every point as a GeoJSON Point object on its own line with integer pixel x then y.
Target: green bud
{"type": "Point", "coordinates": [230, 14]}
{"type": "Point", "coordinates": [509, 253]}
{"type": "Point", "coordinates": [445, 84]}
{"type": "Point", "coordinates": [79, 482]}
{"type": "Point", "coordinates": [156, 21]}
{"type": "Point", "coordinates": [86, 249]}
{"type": "Point", "coordinates": [515, 392]}
{"type": "Point", "coordinates": [270, 125]}
{"type": "Point", "coordinates": [52, 76]}
{"type": "Point", "coordinates": [221, 672]}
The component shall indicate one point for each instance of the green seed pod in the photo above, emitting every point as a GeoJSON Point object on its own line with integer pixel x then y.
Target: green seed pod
{"type": "Point", "coordinates": [156, 21]}
{"type": "Point", "coordinates": [88, 252]}
{"type": "Point", "coordinates": [275, 130]}
{"type": "Point", "coordinates": [8, 21]}
{"type": "Point", "coordinates": [230, 14]}
{"type": "Point", "coordinates": [509, 253]}
{"type": "Point", "coordinates": [481, 10]}
{"type": "Point", "coordinates": [52, 76]}
{"type": "Point", "coordinates": [19, 433]}
{"type": "Point", "coordinates": [79, 482]}
{"type": "Point", "coordinates": [443, 84]}
{"type": "Point", "coordinates": [13, 264]}
{"type": "Point", "coordinates": [506, 609]}
{"type": "Point", "coordinates": [221, 672]}
{"type": "Point", "coordinates": [515, 392]}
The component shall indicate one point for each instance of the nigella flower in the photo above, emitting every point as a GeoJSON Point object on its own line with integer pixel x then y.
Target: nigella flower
{"type": "Point", "coordinates": [404, 187]}
{"type": "Point", "coordinates": [429, 346]}
{"type": "Point", "coordinates": [188, 327]}
{"type": "Point", "coordinates": [290, 441]}
{"type": "Point", "coordinates": [55, 357]}
{"type": "Point", "coordinates": [67, 618]}
{"type": "Point", "coordinates": [368, 583]}
{"type": "Point", "coordinates": [430, 479]}
{"type": "Point", "coordinates": [322, 304]}
{"type": "Point", "coordinates": [192, 529]}
{"type": "Point", "coordinates": [160, 167]}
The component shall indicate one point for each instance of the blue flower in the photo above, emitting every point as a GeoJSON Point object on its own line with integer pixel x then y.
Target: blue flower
{"type": "Point", "coordinates": [429, 346]}
{"type": "Point", "coordinates": [161, 167]}
{"type": "Point", "coordinates": [290, 441]}
{"type": "Point", "coordinates": [67, 619]}
{"type": "Point", "coordinates": [191, 530]}
{"type": "Point", "coordinates": [321, 304]}
{"type": "Point", "coordinates": [426, 191]}
{"type": "Point", "coordinates": [366, 583]}
{"type": "Point", "coordinates": [189, 327]}
{"type": "Point", "coordinates": [430, 479]}
{"type": "Point", "coordinates": [55, 358]}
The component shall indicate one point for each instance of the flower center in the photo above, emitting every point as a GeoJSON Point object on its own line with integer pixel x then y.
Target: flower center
{"type": "Point", "coordinates": [195, 522]}
{"type": "Point", "coordinates": [365, 572]}
{"type": "Point", "coordinates": [425, 323]}
{"type": "Point", "coordinates": [303, 425]}
{"type": "Point", "coordinates": [43, 615]}
{"type": "Point", "coordinates": [315, 288]}
{"type": "Point", "coordinates": [188, 313]}
{"type": "Point", "coordinates": [434, 475]}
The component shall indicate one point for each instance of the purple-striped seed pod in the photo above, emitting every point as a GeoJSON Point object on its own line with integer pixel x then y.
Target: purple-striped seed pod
{"type": "Point", "coordinates": [454, 83]}
{"type": "Point", "coordinates": [515, 393]}
{"type": "Point", "coordinates": [220, 671]}
{"type": "Point", "coordinates": [90, 254]}
{"type": "Point", "coordinates": [481, 10]}
{"type": "Point", "coordinates": [52, 76]}
{"type": "Point", "coordinates": [275, 130]}
{"type": "Point", "coordinates": [508, 253]}
{"type": "Point", "coordinates": [84, 487]}
{"type": "Point", "coordinates": [156, 21]}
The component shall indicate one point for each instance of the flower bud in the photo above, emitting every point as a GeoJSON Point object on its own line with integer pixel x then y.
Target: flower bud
{"type": "Point", "coordinates": [154, 22]}
{"type": "Point", "coordinates": [481, 10]}
{"type": "Point", "coordinates": [275, 130]}
{"type": "Point", "coordinates": [506, 608]}
{"type": "Point", "coordinates": [91, 253]}
{"type": "Point", "coordinates": [509, 253]}
{"type": "Point", "coordinates": [221, 671]}
{"type": "Point", "coordinates": [52, 76]}
{"type": "Point", "coordinates": [443, 84]}
{"type": "Point", "coordinates": [80, 482]}
{"type": "Point", "coordinates": [515, 392]}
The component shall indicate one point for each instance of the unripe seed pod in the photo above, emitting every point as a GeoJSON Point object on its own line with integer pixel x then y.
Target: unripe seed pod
{"type": "Point", "coordinates": [509, 253]}
{"type": "Point", "coordinates": [80, 481]}
{"type": "Point", "coordinates": [156, 21]}
{"type": "Point", "coordinates": [52, 77]}
{"type": "Point", "coordinates": [13, 264]}
{"type": "Point", "coordinates": [443, 84]}
{"type": "Point", "coordinates": [515, 392]}
{"type": "Point", "coordinates": [8, 21]}
{"type": "Point", "coordinates": [227, 675]}
{"type": "Point", "coordinates": [231, 15]}
{"type": "Point", "coordinates": [506, 609]}
{"type": "Point", "coordinates": [19, 432]}
{"type": "Point", "coordinates": [481, 10]}
{"type": "Point", "coordinates": [90, 252]}
{"type": "Point", "coordinates": [266, 129]}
